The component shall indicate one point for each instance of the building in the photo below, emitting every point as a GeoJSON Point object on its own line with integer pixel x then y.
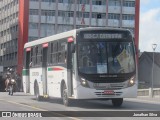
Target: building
{"type": "Point", "coordinates": [145, 70]}
{"type": "Point", "coordinates": [26, 20]}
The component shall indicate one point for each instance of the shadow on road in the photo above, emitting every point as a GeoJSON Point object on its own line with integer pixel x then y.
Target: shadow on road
{"type": "Point", "coordinates": [87, 104]}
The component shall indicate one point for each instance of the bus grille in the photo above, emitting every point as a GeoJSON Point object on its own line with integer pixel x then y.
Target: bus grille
{"type": "Point", "coordinates": [102, 94]}
{"type": "Point", "coordinates": [111, 86]}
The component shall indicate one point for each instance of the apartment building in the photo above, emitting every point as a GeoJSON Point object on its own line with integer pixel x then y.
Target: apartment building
{"type": "Point", "coordinates": [27, 20]}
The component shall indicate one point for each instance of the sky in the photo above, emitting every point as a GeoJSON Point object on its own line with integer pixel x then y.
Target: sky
{"type": "Point", "coordinates": [149, 25]}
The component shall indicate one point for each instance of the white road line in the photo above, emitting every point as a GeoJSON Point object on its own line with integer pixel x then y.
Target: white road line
{"type": "Point", "coordinates": [37, 108]}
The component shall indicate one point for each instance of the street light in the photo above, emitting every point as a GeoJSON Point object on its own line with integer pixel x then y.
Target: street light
{"type": "Point", "coordinates": [154, 48]}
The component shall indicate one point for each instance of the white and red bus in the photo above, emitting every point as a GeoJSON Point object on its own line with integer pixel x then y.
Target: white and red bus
{"type": "Point", "coordinates": [86, 63]}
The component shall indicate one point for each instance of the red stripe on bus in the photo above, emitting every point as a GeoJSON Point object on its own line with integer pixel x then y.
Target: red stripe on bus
{"type": "Point", "coordinates": [56, 69]}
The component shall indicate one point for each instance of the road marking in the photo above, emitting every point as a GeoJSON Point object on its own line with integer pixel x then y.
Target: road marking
{"type": "Point", "coordinates": [24, 105]}
{"type": "Point", "coordinates": [37, 108]}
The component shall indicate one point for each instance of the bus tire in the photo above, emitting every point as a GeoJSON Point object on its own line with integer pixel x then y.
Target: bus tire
{"type": "Point", "coordinates": [38, 97]}
{"type": "Point", "coordinates": [117, 102]}
{"type": "Point", "coordinates": [65, 98]}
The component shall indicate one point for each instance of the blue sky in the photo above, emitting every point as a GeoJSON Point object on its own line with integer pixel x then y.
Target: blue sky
{"type": "Point", "coordinates": [149, 4]}
{"type": "Point", "coordinates": [149, 25]}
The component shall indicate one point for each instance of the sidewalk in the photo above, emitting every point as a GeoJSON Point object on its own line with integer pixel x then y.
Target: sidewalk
{"type": "Point", "coordinates": [145, 99]}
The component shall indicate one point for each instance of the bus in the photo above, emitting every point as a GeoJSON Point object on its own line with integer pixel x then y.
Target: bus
{"type": "Point", "coordinates": [86, 63]}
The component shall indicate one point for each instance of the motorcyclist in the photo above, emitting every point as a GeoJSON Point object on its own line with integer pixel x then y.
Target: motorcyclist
{"type": "Point", "coordinates": [12, 73]}
{"type": "Point", "coordinates": [9, 75]}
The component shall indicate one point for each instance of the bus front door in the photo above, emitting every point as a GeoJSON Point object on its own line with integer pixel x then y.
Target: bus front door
{"type": "Point", "coordinates": [44, 71]}
{"type": "Point", "coordinates": [26, 72]}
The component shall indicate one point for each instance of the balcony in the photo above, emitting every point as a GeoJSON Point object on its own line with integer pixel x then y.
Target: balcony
{"type": "Point", "coordinates": [34, 18]}
{"type": "Point", "coordinates": [98, 22]}
{"type": "Point", "coordinates": [128, 10]}
{"type": "Point", "coordinates": [65, 7]}
{"type": "Point", "coordinates": [48, 19]}
{"type": "Point", "coordinates": [65, 20]}
{"type": "Point", "coordinates": [33, 32]}
{"type": "Point", "coordinates": [128, 23]}
{"type": "Point", "coordinates": [114, 9]}
{"type": "Point", "coordinates": [99, 8]}
{"type": "Point", "coordinates": [113, 23]}
{"type": "Point", "coordinates": [48, 6]}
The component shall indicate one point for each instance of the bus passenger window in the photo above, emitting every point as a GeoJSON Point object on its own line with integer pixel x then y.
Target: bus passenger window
{"type": "Point", "coordinates": [65, 58]}
{"type": "Point", "coordinates": [30, 64]}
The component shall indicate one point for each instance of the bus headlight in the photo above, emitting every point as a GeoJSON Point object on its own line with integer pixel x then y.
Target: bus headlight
{"type": "Point", "coordinates": [131, 81]}
{"type": "Point", "coordinates": [84, 82]}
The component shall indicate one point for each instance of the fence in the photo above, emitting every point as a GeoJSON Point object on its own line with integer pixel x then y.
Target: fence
{"type": "Point", "coordinates": [147, 92]}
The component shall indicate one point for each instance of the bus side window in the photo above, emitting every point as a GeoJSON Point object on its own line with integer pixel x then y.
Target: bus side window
{"type": "Point", "coordinates": [31, 59]}
{"type": "Point", "coordinates": [59, 57]}
{"type": "Point", "coordinates": [65, 57]}
{"type": "Point", "coordinates": [30, 64]}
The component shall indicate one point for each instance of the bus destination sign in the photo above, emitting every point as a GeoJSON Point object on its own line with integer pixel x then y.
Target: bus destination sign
{"type": "Point", "coordinates": [102, 36]}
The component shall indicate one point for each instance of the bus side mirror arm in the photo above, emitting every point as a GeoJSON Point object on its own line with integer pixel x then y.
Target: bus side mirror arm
{"type": "Point", "coordinates": [73, 48]}
{"type": "Point", "coordinates": [136, 49]}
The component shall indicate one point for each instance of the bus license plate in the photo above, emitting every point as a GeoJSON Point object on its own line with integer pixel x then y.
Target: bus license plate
{"type": "Point", "coordinates": [109, 92]}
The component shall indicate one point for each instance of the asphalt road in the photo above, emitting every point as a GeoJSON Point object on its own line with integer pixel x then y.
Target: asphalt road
{"type": "Point", "coordinates": [21, 102]}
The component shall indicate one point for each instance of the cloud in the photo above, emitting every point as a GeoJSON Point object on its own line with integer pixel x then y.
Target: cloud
{"type": "Point", "coordinates": [149, 30]}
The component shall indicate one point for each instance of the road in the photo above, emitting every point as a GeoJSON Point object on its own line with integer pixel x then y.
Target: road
{"type": "Point", "coordinates": [25, 102]}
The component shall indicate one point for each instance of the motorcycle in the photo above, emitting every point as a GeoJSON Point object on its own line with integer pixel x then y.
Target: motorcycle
{"type": "Point", "coordinates": [10, 81]}
{"type": "Point", "coordinates": [12, 86]}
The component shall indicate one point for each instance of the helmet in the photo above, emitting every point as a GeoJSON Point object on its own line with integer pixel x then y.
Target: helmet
{"type": "Point", "coordinates": [11, 70]}
{"type": "Point", "coordinates": [8, 69]}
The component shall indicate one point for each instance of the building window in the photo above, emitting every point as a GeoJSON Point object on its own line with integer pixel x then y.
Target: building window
{"type": "Point", "coordinates": [114, 2]}
{"type": "Point", "coordinates": [60, 13]}
{"type": "Point", "coordinates": [32, 38]}
{"type": "Point", "coordinates": [16, 14]}
{"type": "Point", "coordinates": [65, 13]}
{"type": "Point", "coordinates": [86, 15]}
{"type": "Point", "coordinates": [113, 16]}
{"type": "Point", "coordinates": [60, 1]}
{"type": "Point", "coordinates": [83, 2]}
{"type": "Point", "coordinates": [82, 14]}
{"type": "Point", "coordinates": [36, 0]}
{"type": "Point", "coordinates": [33, 25]}
{"type": "Point", "coordinates": [48, 13]}
{"type": "Point", "coordinates": [129, 3]}
{"type": "Point", "coordinates": [128, 17]}
{"type": "Point", "coordinates": [48, 0]}
{"type": "Point", "coordinates": [33, 11]}
{"type": "Point", "coordinates": [66, 1]}
{"type": "Point", "coordinates": [97, 2]}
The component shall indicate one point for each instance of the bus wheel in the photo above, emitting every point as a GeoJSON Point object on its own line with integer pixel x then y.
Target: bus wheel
{"type": "Point", "coordinates": [117, 102]}
{"type": "Point", "coordinates": [38, 97]}
{"type": "Point", "coordinates": [65, 96]}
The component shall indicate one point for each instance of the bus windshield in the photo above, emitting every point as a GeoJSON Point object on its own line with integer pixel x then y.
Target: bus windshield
{"type": "Point", "coordinates": [106, 57]}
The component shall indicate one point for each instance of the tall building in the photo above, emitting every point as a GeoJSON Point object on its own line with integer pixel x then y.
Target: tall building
{"type": "Point", "coordinates": [26, 20]}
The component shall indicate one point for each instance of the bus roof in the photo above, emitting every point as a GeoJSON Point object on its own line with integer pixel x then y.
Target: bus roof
{"type": "Point", "coordinates": [50, 38]}
{"type": "Point", "coordinates": [67, 34]}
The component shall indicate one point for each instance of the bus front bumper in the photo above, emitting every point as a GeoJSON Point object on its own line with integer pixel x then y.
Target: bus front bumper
{"type": "Point", "coordinates": [88, 93]}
